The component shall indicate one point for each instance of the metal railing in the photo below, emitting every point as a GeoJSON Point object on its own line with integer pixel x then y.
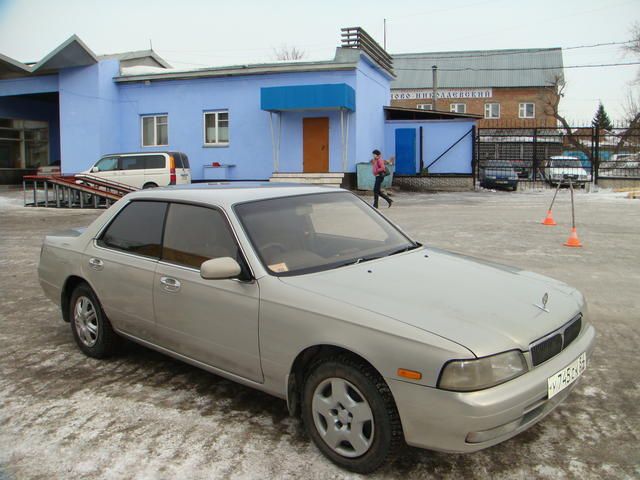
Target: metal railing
{"type": "Point", "coordinates": [72, 191]}
{"type": "Point", "coordinates": [356, 37]}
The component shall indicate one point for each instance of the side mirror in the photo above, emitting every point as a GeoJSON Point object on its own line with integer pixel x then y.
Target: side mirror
{"type": "Point", "coordinates": [94, 169]}
{"type": "Point", "coordinates": [220, 268]}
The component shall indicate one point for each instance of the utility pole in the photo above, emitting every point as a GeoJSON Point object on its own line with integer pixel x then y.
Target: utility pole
{"type": "Point", "coordinates": [434, 70]}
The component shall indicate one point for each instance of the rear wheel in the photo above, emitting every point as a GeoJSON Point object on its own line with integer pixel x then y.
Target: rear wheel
{"type": "Point", "coordinates": [350, 414]}
{"type": "Point", "coordinates": [150, 185]}
{"type": "Point", "coordinates": [91, 329]}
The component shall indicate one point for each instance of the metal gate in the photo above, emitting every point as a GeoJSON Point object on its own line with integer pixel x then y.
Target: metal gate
{"type": "Point", "coordinates": [543, 157]}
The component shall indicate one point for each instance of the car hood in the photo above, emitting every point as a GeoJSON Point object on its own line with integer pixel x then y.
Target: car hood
{"type": "Point", "coordinates": [485, 307]}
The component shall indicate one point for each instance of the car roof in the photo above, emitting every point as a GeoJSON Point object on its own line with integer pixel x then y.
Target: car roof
{"type": "Point", "coordinates": [116, 154]}
{"type": "Point", "coordinates": [229, 193]}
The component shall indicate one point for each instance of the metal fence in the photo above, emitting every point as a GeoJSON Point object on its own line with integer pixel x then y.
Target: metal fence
{"type": "Point", "coordinates": [543, 157]}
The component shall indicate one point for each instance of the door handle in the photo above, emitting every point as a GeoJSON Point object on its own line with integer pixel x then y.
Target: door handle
{"type": "Point", "coordinates": [96, 263]}
{"type": "Point", "coordinates": [170, 284]}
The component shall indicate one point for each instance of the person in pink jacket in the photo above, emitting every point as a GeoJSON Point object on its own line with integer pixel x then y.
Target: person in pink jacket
{"type": "Point", "coordinates": [378, 168]}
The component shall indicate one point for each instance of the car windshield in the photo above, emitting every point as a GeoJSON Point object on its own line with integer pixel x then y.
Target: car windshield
{"type": "Point", "coordinates": [565, 163]}
{"type": "Point", "coordinates": [309, 233]}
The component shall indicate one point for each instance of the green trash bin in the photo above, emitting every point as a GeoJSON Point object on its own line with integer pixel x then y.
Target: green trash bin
{"type": "Point", "coordinates": [366, 179]}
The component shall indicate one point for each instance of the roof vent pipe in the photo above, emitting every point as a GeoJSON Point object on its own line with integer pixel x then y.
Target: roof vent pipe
{"type": "Point", "coordinates": [434, 94]}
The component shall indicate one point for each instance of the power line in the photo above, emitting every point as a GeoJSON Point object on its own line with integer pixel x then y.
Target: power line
{"type": "Point", "coordinates": [502, 53]}
{"type": "Point", "coordinates": [520, 68]}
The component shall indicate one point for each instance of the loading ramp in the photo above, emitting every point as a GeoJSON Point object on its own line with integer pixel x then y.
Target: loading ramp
{"type": "Point", "coordinates": [72, 191]}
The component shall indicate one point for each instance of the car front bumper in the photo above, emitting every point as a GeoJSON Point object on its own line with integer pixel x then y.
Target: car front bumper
{"type": "Point", "coordinates": [466, 422]}
{"type": "Point", "coordinates": [500, 182]}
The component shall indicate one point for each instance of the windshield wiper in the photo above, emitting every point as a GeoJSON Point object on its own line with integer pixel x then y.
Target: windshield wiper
{"type": "Point", "coordinates": [404, 249]}
{"type": "Point", "coordinates": [358, 260]}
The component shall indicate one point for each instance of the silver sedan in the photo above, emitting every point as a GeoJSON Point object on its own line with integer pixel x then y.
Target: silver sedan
{"type": "Point", "coordinates": [309, 294]}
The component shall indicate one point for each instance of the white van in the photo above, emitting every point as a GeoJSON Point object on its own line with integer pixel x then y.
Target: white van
{"type": "Point", "coordinates": [143, 170]}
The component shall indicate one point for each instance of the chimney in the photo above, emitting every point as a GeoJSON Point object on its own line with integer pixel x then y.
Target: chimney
{"type": "Point", "coordinates": [434, 69]}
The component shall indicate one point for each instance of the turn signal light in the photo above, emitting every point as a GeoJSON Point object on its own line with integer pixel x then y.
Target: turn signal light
{"type": "Point", "coordinates": [410, 374]}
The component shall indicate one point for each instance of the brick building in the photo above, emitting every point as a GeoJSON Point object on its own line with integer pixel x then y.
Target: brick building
{"type": "Point", "coordinates": [508, 88]}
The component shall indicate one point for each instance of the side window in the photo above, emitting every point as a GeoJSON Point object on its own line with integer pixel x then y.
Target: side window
{"type": "Point", "coordinates": [196, 234]}
{"type": "Point", "coordinates": [154, 161]}
{"type": "Point", "coordinates": [137, 229]}
{"type": "Point", "coordinates": [131, 163]}
{"type": "Point", "coordinates": [107, 164]}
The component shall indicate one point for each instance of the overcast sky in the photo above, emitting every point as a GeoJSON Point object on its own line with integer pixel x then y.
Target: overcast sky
{"type": "Point", "coordinates": [197, 33]}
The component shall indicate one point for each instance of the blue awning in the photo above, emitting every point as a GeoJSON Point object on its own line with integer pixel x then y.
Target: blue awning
{"type": "Point", "coordinates": [335, 96]}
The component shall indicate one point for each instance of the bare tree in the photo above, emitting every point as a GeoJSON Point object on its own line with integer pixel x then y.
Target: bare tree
{"type": "Point", "coordinates": [634, 44]}
{"type": "Point", "coordinates": [286, 53]}
{"type": "Point", "coordinates": [550, 99]}
{"type": "Point", "coordinates": [581, 138]}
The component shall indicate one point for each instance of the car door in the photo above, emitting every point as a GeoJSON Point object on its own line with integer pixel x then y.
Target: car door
{"type": "Point", "coordinates": [212, 321]}
{"type": "Point", "coordinates": [106, 168]}
{"type": "Point", "coordinates": [120, 266]}
{"type": "Point", "coordinates": [132, 169]}
{"type": "Point", "coordinates": [156, 171]}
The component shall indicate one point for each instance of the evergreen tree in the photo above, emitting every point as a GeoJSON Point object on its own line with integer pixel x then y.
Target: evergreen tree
{"type": "Point", "coordinates": [601, 119]}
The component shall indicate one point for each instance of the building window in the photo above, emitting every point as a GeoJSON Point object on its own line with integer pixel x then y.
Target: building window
{"type": "Point", "coordinates": [491, 110]}
{"type": "Point", "coordinates": [216, 127]}
{"type": "Point", "coordinates": [527, 110]}
{"type": "Point", "coordinates": [458, 107]}
{"type": "Point", "coordinates": [425, 106]}
{"type": "Point", "coordinates": [155, 130]}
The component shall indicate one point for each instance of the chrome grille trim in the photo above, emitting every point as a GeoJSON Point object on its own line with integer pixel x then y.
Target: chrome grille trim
{"type": "Point", "coordinates": [550, 345]}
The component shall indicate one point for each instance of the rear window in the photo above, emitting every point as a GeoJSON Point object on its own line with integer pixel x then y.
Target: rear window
{"type": "Point", "coordinates": [182, 161]}
{"type": "Point", "coordinates": [137, 229]}
{"type": "Point", "coordinates": [155, 161]}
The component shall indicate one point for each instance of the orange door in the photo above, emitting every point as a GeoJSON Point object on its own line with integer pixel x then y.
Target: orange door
{"type": "Point", "coordinates": [315, 145]}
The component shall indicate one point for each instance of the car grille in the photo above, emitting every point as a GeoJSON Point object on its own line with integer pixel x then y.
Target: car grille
{"type": "Point", "coordinates": [552, 344]}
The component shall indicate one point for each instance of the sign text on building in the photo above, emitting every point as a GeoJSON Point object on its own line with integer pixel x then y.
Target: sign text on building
{"type": "Point", "coordinates": [444, 94]}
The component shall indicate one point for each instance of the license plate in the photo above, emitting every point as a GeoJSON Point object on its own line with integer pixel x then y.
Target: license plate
{"type": "Point", "coordinates": [565, 377]}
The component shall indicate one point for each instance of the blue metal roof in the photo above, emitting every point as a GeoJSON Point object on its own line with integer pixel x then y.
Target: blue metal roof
{"type": "Point", "coordinates": [308, 97]}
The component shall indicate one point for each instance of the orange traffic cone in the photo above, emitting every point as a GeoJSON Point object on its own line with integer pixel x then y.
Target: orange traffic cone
{"type": "Point", "coordinates": [573, 240]}
{"type": "Point", "coordinates": [549, 219]}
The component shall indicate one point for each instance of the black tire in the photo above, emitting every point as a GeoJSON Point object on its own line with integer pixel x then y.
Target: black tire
{"type": "Point", "coordinates": [149, 185]}
{"type": "Point", "coordinates": [384, 432]}
{"type": "Point", "coordinates": [91, 328]}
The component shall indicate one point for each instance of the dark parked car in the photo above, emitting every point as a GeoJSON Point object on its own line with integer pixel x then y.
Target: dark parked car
{"type": "Point", "coordinates": [498, 174]}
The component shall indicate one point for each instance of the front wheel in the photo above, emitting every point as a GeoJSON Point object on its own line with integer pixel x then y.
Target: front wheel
{"type": "Point", "coordinates": [349, 412]}
{"type": "Point", "coordinates": [91, 328]}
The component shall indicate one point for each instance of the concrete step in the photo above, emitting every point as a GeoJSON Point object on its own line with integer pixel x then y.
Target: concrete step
{"type": "Point", "coordinates": [310, 175]}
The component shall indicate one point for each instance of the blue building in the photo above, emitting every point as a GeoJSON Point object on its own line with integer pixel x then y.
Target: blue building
{"type": "Point", "coordinates": [254, 120]}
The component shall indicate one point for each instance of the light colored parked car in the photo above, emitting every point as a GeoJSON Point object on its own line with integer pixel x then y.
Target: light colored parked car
{"type": "Point", "coordinates": [143, 169]}
{"type": "Point", "coordinates": [309, 294]}
{"type": "Point", "coordinates": [560, 168]}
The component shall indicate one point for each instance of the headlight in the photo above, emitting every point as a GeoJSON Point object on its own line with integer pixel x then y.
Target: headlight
{"type": "Point", "coordinates": [492, 177]}
{"type": "Point", "coordinates": [480, 373]}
